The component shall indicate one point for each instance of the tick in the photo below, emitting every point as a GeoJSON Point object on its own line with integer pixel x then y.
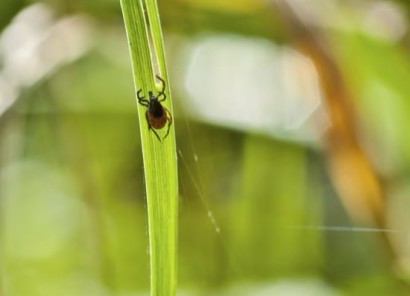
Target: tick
{"type": "Point", "coordinates": [157, 116]}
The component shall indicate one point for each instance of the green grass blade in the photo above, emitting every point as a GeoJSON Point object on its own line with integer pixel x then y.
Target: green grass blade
{"type": "Point", "coordinates": [160, 163]}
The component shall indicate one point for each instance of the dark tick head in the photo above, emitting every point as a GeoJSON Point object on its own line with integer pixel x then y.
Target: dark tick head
{"type": "Point", "coordinates": [151, 94]}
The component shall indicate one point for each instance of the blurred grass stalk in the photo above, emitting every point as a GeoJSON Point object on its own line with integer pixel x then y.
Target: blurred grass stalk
{"type": "Point", "coordinates": [160, 163]}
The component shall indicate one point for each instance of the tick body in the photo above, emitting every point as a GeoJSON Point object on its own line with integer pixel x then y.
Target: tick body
{"type": "Point", "coordinates": [157, 116]}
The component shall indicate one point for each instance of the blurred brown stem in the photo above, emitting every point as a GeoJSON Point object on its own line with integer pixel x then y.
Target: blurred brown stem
{"type": "Point", "coordinates": [353, 175]}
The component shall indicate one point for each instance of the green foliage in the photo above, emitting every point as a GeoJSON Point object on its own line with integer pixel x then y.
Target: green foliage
{"type": "Point", "coordinates": [160, 167]}
{"type": "Point", "coordinates": [81, 174]}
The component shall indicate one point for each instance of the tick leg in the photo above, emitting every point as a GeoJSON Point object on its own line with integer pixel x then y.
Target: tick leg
{"type": "Point", "coordinates": [166, 135]}
{"type": "Point", "coordinates": [162, 82]}
{"type": "Point", "coordinates": [156, 134]}
{"type": "Point", "coordinates": [169, 123]}
{"type": "Point", "coordinates": [142, 100]}
{"type": "Point", "coordinates": [138, 94]}
{"type": "Point", "coordinates": [162, 92]}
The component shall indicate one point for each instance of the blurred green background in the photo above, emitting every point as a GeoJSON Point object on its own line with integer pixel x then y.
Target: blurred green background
{"type": "Point", "coordinates": [292, 123]}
